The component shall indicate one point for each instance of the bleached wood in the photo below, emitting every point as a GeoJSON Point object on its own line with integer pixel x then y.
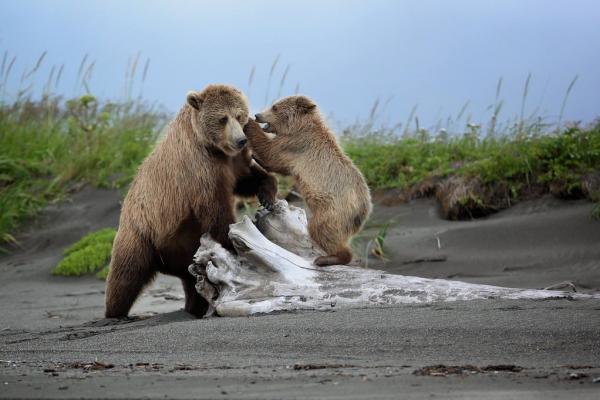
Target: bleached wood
{"type": "Point", "coordinates": [274, 271]}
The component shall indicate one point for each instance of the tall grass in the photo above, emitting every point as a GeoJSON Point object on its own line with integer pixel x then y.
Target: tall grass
{"type": "Point", "coordinates": [272, 72]}
{"type": "Point", "coordinates": [518, 159]}
{"type": "Point", "coordinates": [49, 145]}
{"type": "Point", "coordinates": [564, 102]}
{"type": "Point", "coordinates": [528, 150]}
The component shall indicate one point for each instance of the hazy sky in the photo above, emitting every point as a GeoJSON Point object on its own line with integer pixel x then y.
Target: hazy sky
{"type": "Point", "coordinates": [345, 54]}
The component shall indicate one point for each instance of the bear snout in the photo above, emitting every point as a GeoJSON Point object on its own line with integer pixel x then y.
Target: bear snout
{"type": "Point", "coordinates": [259, 118]}
{"type": "Point", "coordinates": [241, 143]}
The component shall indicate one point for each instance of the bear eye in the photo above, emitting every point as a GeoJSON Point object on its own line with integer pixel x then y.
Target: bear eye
{"type": "Point", "coordinates": [239, 119]}
{"type": "Point", "coordinates": [223, 120]}
{"type": "Point", "coordinates": [274, 108]}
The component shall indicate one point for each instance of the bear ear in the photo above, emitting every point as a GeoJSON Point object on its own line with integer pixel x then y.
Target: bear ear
{"type": "Point", "coordinates": [305, 104]}
{"type": "Point", "coordinates": [195, 99]}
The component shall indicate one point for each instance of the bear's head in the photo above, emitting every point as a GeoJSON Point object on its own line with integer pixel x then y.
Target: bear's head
{"type": "Point", "coordinates": [219, 113]}
{"type": "Point", "coordinates": [288, 115]}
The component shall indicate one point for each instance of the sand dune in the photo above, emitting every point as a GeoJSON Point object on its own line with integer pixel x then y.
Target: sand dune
{"type": "Point", "coordinates": [533, 244]}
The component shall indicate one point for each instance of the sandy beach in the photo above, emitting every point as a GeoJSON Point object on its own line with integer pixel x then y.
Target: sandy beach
{"type": "Point", "coordinates": [54, 343]}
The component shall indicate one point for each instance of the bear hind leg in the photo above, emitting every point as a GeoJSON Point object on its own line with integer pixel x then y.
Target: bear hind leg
{"type": "Point", "coordinates": [131, 269]}
{"type": "Point", "coordinates": [342, 256]}
{"type": "Point", "coordinates": [331, 240]}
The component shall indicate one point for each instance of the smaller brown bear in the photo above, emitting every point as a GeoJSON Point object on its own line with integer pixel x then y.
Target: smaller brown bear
{"type": "Point", "coordinates": [184, 189]}
{"type": "Point", "coordinates": [297, 142]}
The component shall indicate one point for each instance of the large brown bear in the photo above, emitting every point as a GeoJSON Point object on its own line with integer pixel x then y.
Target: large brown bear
{"type": "Point", "coordinates": [184, 189]}
{"type": "Point", "coordinates": [298, 143]}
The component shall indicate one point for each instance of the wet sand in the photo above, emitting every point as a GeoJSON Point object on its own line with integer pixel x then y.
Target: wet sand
{"type": "Point", "coordinates": [51, 330]}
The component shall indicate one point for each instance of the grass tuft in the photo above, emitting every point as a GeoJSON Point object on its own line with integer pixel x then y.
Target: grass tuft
{"type": "Point", "coordinates": [89, 255]}
{"type": "Point", "coordinates": [379, 241]}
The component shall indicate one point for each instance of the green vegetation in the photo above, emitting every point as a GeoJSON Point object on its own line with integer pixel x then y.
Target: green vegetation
{"type": "Point", "coordinates": [90, 254]}
{"type": "Point", "coordinates": [48, 148]}
{"type": "Point", "coordinates": [379, 241]}
{"type": "Point", "coordinates": [523, 163]}
{"type": "Point", "coordinates": [481, 170]}
{"type": "Point", "coordinates": [560, 157]}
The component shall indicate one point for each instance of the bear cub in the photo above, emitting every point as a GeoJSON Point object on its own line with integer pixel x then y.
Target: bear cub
{"type": "Point", "coordinates": [296, 142]}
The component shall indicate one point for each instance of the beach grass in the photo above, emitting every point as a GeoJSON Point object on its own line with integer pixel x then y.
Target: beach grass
{"type": "Point", "coordinates": [50, 148]}
{"type": "Point", "coordinates": [510, 167]}
{"type": "Point", "coordinates": [519, 160]}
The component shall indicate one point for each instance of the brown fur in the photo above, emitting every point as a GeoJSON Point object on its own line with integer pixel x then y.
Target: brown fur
{"type": "Point", "coordinates": [333, 188]}
{"type": "Point", "coordinates": [184, 189]}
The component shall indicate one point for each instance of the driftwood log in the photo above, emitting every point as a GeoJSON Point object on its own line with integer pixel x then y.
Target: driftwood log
{"type": "Point", "coordinates": [273, 271]}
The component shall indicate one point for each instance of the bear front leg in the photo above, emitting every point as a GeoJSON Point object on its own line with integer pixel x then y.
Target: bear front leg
{"type": "Point", "coordinates": [194, 303]}
{"type": "Point", "coordinates": [267, 187]}
{"type": "Point", "coordinates": [258, 183]}
{"type": "Point", "coordinates": [265, 149]}
{"type": "Point", "coordinates": [225, 216]}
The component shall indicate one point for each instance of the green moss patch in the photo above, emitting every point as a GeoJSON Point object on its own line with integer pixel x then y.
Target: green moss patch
{"type": "Point", "coordinates": [89, 255]}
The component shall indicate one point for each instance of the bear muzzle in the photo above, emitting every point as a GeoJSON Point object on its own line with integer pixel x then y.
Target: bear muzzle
{"type": "Point", "coordinates": [241, 143]}
{"type": "Point", "coordinates": [261, 119]}
{"type": "Point", "coordinates": [235, 135]}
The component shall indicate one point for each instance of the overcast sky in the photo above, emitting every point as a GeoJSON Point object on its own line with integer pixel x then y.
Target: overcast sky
{"type": "Point", "coordinates": [345, 54]}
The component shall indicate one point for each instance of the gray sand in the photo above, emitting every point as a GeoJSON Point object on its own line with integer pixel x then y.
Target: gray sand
{"type": "Point", "coordinates": [51, 330]}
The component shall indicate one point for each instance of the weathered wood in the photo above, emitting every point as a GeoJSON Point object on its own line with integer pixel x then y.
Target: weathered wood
{"type": "Point", "coordinates": [273, 271]}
